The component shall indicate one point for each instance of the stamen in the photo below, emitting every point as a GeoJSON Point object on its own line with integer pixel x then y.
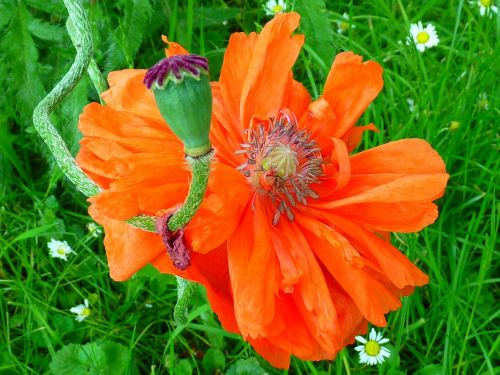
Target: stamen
{"type": "Point", "coordinates": [282, 161]}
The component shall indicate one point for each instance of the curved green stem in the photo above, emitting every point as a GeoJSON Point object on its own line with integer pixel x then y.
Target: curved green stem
{"type": "Point", "coordinates": [200, 169]}
{"type": "Point", "coordinates": [81, 36]}
{"type": "Point", "coordinates": [95, 74]}
{"type": "Point", "coordinates": [41, 114]}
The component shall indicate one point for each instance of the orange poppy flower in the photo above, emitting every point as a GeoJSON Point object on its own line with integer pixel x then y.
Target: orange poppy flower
{"type": "Point", "coordinates": [291, 241]}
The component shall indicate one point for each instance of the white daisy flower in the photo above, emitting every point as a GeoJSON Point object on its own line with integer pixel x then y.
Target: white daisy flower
{"type": "Point", "coordinates": [371, 351]}
{"type": "Point", "coordinates": [411, 104]}
{"type": "Point", "coordinates": [423, 37]}
{"type": "Point", "coordinates": [275, 6]}
{"type": "Point", "coordinates": [344, 24]}
{"type": "Point", "coordinates": [487, 8]}
{"type": "Point", "coordinates": [94, 230]}
{"type": "Point", "coordinates": [483, 102]}
{"type": "Point", "coordinates": [82, 311]}
{"type": "Point", "coordinates": [59, 249]}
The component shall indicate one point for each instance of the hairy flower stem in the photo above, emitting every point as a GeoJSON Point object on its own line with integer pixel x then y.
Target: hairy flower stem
{"type": "Point", "coordinates": [93, 71]}
{"type": "Point", "coordinates": [200, 169]}
{"type": "Point", "coordinates": [41, 114]}
{"type": "Point", "coordinates": [80, 33]}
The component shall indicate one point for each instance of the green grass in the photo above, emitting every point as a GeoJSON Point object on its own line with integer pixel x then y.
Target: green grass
{"type": "Point", "coordinates": [447, 327]}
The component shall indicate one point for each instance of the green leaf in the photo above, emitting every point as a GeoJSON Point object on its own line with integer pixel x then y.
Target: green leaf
{"type": "Point", "coordinates": [317, 28]}
{"type": "Point", "coordinates": [101, 357]}
{"type": "Point", "coordinates": [22, 79]}
{"type": "Point", "coordinates": [430, 370]}
{"type": "Point", "coordinates": [183, 367]}
{"type": "Point", "coordinates": [46, 31]}
{"type": "Point", "coordinates": [248, 366]}
{"type": "Point", "coordinates": [214, 16]}
{"type": "Point", "coordinates": [213, 361]}
{"type": "Point", "coordinates": [50, 7]}
{"type": "Point", "coordinates": [137, 15]}
{"type": "Point", "coordinates": [7, 151]}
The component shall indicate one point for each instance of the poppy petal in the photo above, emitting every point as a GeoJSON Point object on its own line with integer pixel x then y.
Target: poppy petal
{"type": "Point", "coordinates": [234, 70]}
{"type": "Point", "coordinates": [350, 87]}
{"type": "Point", "coordinates": [252, 267]}
{"type": "Point", "coordinates": [128, 249]}
{"type": "Point", "coordinates": [221, 209]}
{"type": "Point", "coordinates": [391, 187]}
{"type": "Point", "coordinates": [127, 92]}
{"type": "Point", "coordinates": [274, 53]}
{"type": "Point", "coordinates": [347, 267]}
{"type": "Point", "coordinates": [409, 156]}
{"type": "Point", "coordinates": [309, 290]}
{"type": "Point", "coordinates": [394, 265]}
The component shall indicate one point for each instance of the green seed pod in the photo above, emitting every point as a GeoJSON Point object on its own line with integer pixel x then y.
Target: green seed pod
{"type": "Point", "coordinates": [182, 92]}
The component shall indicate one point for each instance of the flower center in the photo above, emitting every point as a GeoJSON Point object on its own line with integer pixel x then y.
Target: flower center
{"type": "Point", "coordinates": [61, 251]}
{"type": "Point", "coordinates": [372, 348]}
{"type": "Point", "coordinates": [277, 8]}
{"type": "Point", "coordinates": [282, 161]}
{"type": "Point", "coordinates": [344, 25]}
{"type": "Point", "coordinates": [85, 311]}
{"type": "Point", "coordinates": [485, 3]}
{"type": "Point", "coordinates": [423, 37]}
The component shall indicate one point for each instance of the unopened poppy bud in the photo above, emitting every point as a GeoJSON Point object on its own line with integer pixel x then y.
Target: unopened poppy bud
{"type": "Point", "coordinates": [182, 92]}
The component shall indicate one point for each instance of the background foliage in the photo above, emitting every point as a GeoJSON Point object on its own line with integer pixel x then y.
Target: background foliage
{"type": "Point", "coordinates": [447, 327]}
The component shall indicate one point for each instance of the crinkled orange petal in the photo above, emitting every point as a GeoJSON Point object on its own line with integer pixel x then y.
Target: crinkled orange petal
{"type": "Point", "coordinates": [403, 217]}
{"type": "Point", "coordinates": [309, 289]}
{"type": "Point", "coordinates": [409, 156]}
{"type": "Point", "coordinates": [127, 92]}
{"type": "Point", "coordinates": [391, 187]}
{"type": "Point", "coordinates": [219, 214]}
{"type": "Point", "coordinates": [224, 134]}
{"type": "Point", "coordinates": [298, 98]}
{"type": "Point", "coordinates": [128, 249]}
{"type": "Point", "coordinates": [252, 267]}
{"type": "Point", "coordinates": [132, 132]}
{"type": "Point", "coordinates": [274, 53]}
{"type": "Point", "coordinates": [353, 136]}
{"type": "Point", "coordinates": [344, 263]}
{"type": "Point", "coordinates": [211, 270]}
{"type": "Point", "coordinates": [350, 87]}
{"type": "Point", "coordinates": [233, 73]}
{"type": "Point", "coordinates": [97, 158]}
{"type": "Point", "coordinates": [173, 48]}
{"type": "Point", "coordinates": [405, 188]}
{"type": "Point", "coordinates": [394, 264]}
{"type": "Point", "coordinates": [340, 157]}
{"type": "Point", "coordinates": [276, 356]}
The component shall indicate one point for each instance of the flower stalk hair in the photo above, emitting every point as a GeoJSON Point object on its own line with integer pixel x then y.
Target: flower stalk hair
{"type": "Point", "coordinates": [41, 114]}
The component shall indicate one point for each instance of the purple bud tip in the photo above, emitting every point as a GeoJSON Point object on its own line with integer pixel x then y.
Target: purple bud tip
{"type": "Point", "coordinates": [175, 68]}
{"type": "Point", "coordinates": [175, 243]}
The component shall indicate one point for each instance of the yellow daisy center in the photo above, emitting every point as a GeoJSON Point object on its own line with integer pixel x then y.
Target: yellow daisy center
{"type": "Point", "coordinates": [485, 3]}
{"type": "Point", "coordinates": [454, 125]}
{"type": "Point", "coordinates": [277, 8]}
{"type": "Point", "coordinates": [86, 311]}
{"type": "Point", "coordinates": [483, 103]}
{"type": "Point", "coordinates": [423, 37]}
{"type": "Point", "coordinates": [372, 348]}
{"type": "Point", "coordinates": [344, 25]}
{"type": "Point", "coordinates": [61, 251]}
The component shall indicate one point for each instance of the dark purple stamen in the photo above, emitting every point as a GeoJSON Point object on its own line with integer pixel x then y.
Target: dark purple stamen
{"type": "Point", "coordinates": [176, 65]}
{"type": "Point", "coordinates": [175, 243]}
